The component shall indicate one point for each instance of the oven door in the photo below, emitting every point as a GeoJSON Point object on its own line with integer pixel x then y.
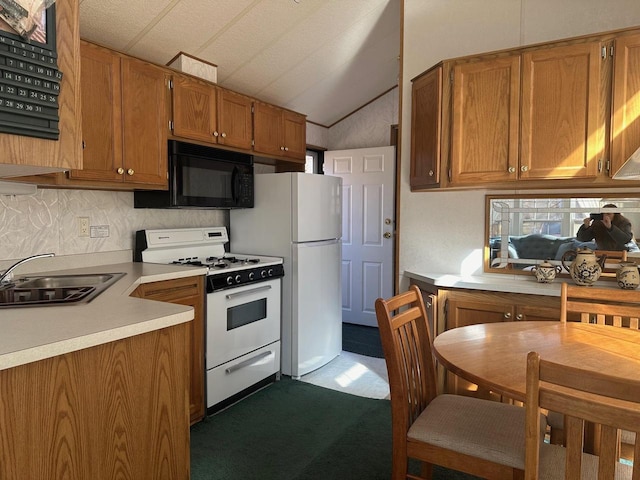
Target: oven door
{"type": "Point", "coordinates": [241, 320]}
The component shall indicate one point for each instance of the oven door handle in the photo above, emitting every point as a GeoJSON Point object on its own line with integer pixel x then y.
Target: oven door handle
{"type": "Point", "coordinates": [247, 292]}
{"type": "Point", "coordinates": [248, 362]}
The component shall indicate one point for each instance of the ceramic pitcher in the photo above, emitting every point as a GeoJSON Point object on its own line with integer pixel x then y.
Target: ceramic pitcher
{"type": "Point", "coordinates": [586, 268]}
{"type": "Point", "coordinates": [545, 272]}
{"type": "Point", "coordinates": [628, 276]}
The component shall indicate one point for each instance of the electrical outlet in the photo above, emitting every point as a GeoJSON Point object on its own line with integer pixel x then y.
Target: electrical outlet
{"type": "Point", "coordinates": [83, 226]}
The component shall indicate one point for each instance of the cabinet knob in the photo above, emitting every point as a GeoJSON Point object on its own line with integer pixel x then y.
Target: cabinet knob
{"type": "Point", "coordinates": [84, 145]}
{"type": "Point", "coordinates": [524, 168]}
{"type": "Point", "coordinates": [120, 171]}
{"type": "Point", "coordinates": [512, 169]}
{"type": "Point", "coordinates": [130, 171]}
{"type": "Point", "coordinates": [215, 134]}
{"type": "Point", "coordinates": [431, 173]}
{"type": "Point", "coordinates": [282, 148]}
{"type": "Point", "coordinates": [286, 149]}
{"type": "Point", "coordinates": [507, 315]}
{"type": "Point", "coordinates": [519, 316]}
{"type": "Point", "coordinates": [223, 135]}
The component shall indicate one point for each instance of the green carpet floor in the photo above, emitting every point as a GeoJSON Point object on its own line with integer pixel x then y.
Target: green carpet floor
{"type": "Point", "coordinates": [293, 430]}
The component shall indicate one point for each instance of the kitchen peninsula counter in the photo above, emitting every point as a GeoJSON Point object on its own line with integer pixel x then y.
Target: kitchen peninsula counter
{"type": "Point", "coordinates": [522, 284]}
{"type": "Point", "coordinates": [30, 334]}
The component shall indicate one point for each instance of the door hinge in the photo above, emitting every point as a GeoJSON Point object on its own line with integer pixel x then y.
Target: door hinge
{"type": "Point", "coordinates": [253, 109]}
{"type": "Point", "coordinates": [608, 165]}
{"type": "Point", "coordinates": [599, 165]}
{"type": "Point", "coordinates": [611, 51]}
{"type": "Point", "coordinates": [171, 125]}
{"type": "Point", "coordinates": [451, 77]}
{"type": "Point", "coordinates": [604, 52]}
{"type": "Point", "coordinates": [170, 84]}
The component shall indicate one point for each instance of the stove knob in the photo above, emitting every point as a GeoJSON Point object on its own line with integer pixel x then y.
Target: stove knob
{"type": "Point", "coordinates": [251, 275]}
{"type": "Point", "coordinates": [229, 280]}
{"type": "Point", "coordinates": [263, 273]}
{"type": "Point", "coordinates": [238, 278]}
{"type": "Point", "coordinates": [271, 272]}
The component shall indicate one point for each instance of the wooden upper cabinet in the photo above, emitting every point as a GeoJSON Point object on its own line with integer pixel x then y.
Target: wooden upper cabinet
{"type": "Point", "coordinates": [485, 121]}
{"type": "Point", "coordinates": [194, 109]}
{"type": "Point", "coordinates": [101, 115]}
{"type": "Point", "coordinates": [625, 125]}
{"type": "Point", "coordinates": [563, 127]}
{"type": "Point", "coordinates": [279, 132]}
{"type": "Point", "coordinates": [124, 122]}
{"type": "Point", "coordinates": [426, 129]}
{"type": "Point", "coordinates": [34, 155]}
{"type": "Point", "coordinates": [294, 128]}
{"type": "Point", "coordinates": [144, 120]}
{"type": "Point", "coordinates": [204, 112]}
{"type": "Point", "coordinates": [234, 119]}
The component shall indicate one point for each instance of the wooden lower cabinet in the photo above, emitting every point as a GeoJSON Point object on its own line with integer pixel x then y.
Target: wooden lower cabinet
{"type": "Point", "coordinates": [459, 308]}
{"type": "Point", "coordinates": [117, 410]}
{"type": "Point", "coordinates": [186, 291]}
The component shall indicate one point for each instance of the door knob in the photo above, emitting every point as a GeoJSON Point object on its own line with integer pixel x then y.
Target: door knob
{"type": "Point", "coordinates": [387, 221]}
{"type": "Point", "coordinates": [387, 235]}
{"type": "Point", "coordinates": [120, 170]}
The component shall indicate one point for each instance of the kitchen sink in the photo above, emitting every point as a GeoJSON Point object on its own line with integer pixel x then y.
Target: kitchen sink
{"type": "Point", "coordinates": [38, 291]}
{"type": "Point", "coordinates": [60, 281]}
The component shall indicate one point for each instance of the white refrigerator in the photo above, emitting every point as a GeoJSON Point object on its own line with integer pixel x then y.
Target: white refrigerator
{"type": "Point", "coordinates": [298, 216]}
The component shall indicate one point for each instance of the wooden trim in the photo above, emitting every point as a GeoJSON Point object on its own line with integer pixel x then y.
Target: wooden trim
{"type": "Point", "coordinates": [396, 263]}
{"type": "Point", "coordinates": [190, 56]}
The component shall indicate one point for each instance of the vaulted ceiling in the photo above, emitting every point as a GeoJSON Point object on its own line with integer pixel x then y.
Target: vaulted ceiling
{"type": "Point", "coordinates": [323, 58]}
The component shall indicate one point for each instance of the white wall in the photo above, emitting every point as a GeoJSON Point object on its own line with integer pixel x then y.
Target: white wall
{"type": "Point", "coordinates": [47, 221]}
{"type": "Point", "coordinates": [444, 231]}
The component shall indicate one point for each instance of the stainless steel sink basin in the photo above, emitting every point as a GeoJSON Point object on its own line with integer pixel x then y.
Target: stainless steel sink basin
{"type": "Point", "coordinates": [37, 291]}
{"type": "Point", "coordinates": [59, 281]}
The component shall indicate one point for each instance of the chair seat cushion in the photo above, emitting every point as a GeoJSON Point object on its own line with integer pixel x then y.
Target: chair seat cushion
{"type": "Point", "coordinates": [482, 428]}
{"type": "Point", "coordinates": [552, 465]}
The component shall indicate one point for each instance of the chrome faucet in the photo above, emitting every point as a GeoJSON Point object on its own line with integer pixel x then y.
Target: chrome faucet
{"type": "Point", "coordinates": [7, 274]}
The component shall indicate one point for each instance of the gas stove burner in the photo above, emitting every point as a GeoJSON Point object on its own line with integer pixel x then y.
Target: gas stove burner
{"type": "Point", "coordinates": [220, 265]}
{"type": "Point", "coordinates": [253, 260]}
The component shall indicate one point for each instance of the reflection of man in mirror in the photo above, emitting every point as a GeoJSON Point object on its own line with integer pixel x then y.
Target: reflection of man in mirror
{"type": "Point", "coordinates": [611, 232]}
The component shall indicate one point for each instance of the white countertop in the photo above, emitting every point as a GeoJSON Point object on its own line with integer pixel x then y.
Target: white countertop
{"type": "Point", "coordinates": [29, 334]}
{"type": "Point", "coordinates": [498, 282]}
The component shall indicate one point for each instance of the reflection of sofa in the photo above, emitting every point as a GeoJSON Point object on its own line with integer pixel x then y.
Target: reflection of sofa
{"type": "Point", "coordinates": [536, 246]}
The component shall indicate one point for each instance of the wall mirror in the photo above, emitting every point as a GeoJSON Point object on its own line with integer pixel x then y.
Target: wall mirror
{"type": "Point", "coordinates": [525, 230]}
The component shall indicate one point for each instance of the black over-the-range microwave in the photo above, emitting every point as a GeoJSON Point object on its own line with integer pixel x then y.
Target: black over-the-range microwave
{"type": "Point", "coordinates": [202, 177]}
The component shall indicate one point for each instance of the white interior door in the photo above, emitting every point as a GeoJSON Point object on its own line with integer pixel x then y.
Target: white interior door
{"type": "Point", "coordinates": [368, 224]}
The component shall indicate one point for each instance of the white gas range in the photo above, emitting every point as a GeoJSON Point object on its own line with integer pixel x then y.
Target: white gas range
{"type": "Point", "coordinates": [243, 310]}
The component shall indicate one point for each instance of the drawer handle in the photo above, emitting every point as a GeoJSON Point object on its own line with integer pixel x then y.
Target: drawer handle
{"type": "Point", "coordinates": [247, 292]}
{"type": "Point", "coordinates": [247, 362]}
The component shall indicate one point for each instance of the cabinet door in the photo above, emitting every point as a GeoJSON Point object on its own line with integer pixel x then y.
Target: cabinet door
{"type": "Point", "coordinates": [194, 109]}
{"type": "Point", "coordinates": [461, 313]}
{"type": "Point", "coordinates": [294, 134]}
{"type": "Point", "coordinates": [186, 291]}
{"type": "Point", "coordinates": [101, 115]}
{"type": "Point", "coordinates": [562, 121]}
{"type": "Point", "coordinates": [144, 122]}
{"type": "Point", "coordinates": [234, 119]}
{"type": "Point", "coordinates": [625, 127]}
{"type": "Point", "coordinates": [267, 129]}
{"type": "Point", "coordinates": [485, 117]}
{"type": "Point", "coordinates": [537, 313]}
{"type": "Point", "coordinates": [426, 116]}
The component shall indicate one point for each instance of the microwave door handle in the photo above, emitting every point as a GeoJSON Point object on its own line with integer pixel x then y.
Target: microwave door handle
{"type": "Point", "coordinates": [235, 185]}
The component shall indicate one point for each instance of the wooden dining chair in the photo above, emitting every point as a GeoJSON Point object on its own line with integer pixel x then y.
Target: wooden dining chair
{"type": "Point", "coordinates": [602, 306]}
{"type": "Point", "coordinates": [612, 402]}
{"type": "Point", "coordinates": [476, 436]}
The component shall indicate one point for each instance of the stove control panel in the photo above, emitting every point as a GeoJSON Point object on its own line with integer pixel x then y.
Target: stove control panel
{"type": "Point", "coordinates": [221, 281]}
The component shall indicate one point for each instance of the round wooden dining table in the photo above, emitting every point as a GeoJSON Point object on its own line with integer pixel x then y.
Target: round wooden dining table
{"type": "Point", "coordinates": [494, 355]}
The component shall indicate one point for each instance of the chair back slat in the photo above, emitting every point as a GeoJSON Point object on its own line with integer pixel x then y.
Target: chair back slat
{"type": "Point", "coordinates": [406, 342]}
{"type": "Point", "coordinates": [612, 402]}
{"type": "Point", "coordinates": [602, 306]}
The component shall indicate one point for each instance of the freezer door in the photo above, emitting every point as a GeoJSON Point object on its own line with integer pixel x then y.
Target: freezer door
{"type": "Point", "coordinates": [317, 306]}
{"type": "Point", "coordinates": [317, 207]}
